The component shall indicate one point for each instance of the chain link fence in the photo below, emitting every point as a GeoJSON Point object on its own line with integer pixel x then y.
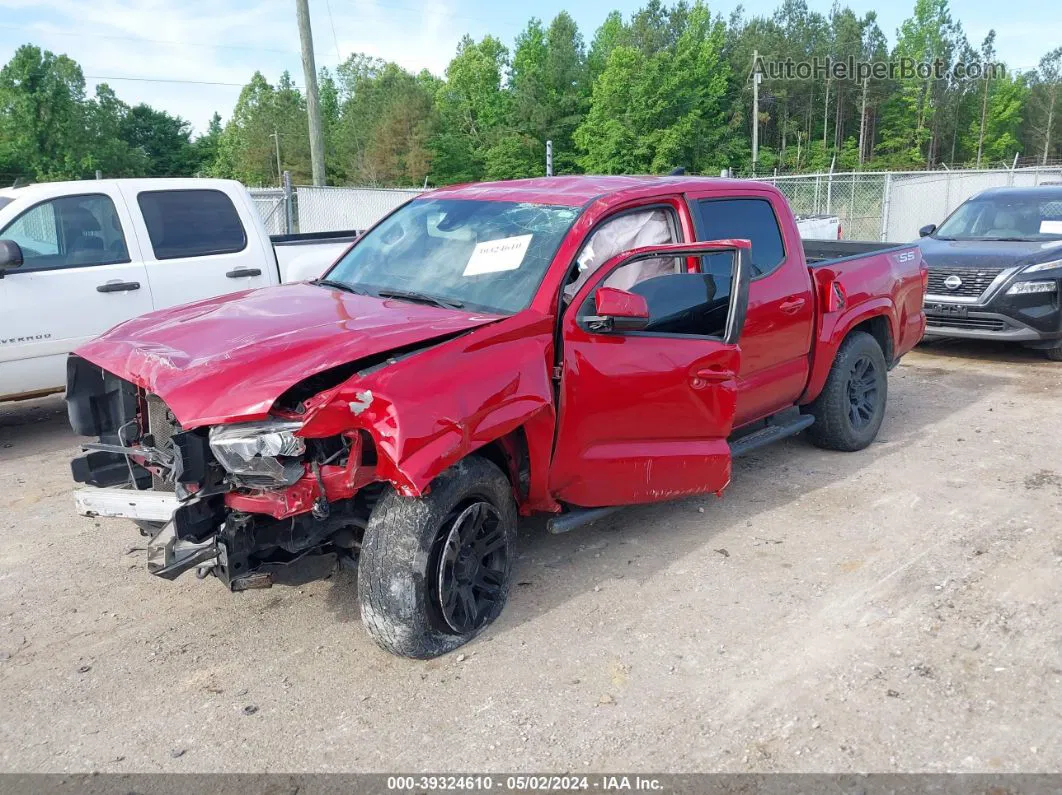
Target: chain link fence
{"type": "Point", "coordinates": [321, 209]}
{"type": "Point", "coordinates": [271, 205]}
{"type": "Point", "coordinates": [326, 209]}
{"type": "Point", "coordinates": [894, 205]}
{"type": "Point", "coordinates": [887, 206]}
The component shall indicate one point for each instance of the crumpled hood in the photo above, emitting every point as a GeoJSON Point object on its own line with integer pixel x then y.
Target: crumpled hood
{"type": "Point", "coordinates": [227, 359]}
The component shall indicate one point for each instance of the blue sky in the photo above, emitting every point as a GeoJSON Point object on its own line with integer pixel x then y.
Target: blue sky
{"type": "Point", "coordinates": [215, 45]}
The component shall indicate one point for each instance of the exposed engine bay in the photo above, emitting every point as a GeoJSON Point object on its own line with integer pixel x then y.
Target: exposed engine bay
{"type": "Point", "coordinates": [252, 504]}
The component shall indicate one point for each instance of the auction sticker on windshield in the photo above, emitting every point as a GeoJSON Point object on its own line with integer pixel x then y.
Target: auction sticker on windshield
{"type": "Point", "coordinates": [493, 256]}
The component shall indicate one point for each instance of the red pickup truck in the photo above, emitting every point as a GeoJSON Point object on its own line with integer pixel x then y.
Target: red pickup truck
{"type": "Point", "coordinates": [566, 345]}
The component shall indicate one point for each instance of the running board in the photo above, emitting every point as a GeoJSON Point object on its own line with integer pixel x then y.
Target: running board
{"type": "Point", "coordinates": [769, 435]}
{"type": "Point", "coordinates": [577, 517]}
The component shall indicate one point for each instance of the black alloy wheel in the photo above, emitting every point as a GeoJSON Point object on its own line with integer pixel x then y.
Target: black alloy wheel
{"type": "Point", "coordinates": [862, 392]}
{"type": "Point", "coordinates": [472, 566]}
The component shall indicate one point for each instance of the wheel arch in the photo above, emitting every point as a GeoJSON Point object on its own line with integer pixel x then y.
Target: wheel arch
{"type": "Point", "coordinates": [874, 318]}
{"type": "Point", "coordinates": [509, 453]}
{"type": "Point", "coordinates": [878, 328]}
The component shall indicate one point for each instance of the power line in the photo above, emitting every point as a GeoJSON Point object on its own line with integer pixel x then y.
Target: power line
{"type": "Point", "coordinates": [118, 37]}
{"type": "Point", "coordinates": [332, 22]}
{"type": "Point", "coordinates": [164, 80]}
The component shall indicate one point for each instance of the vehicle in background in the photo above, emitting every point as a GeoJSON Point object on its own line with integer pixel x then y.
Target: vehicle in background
{"type": "Point", "coordinates": [77, 258]}
{"type": "Point", "coordinates": [995, 269]}
{"type": "Point", "coordinates": [819, 227]}
{"type": "Point", "coordinates": [566, 345]}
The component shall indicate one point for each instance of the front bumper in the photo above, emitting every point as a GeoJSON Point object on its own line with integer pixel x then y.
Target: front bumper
{"type": "Point", "coordinates": [979, 325]}
{"type": "Point", "coordinates": [145, 506]}
{"type": "Point", "coordinates": [147, 468]}
{"type": "Point", "coordinates": [240, 550]}
{"type": "Point", "coordinates": [1034, 318]}
{"type": "Point", "coordinates": [169, 554]}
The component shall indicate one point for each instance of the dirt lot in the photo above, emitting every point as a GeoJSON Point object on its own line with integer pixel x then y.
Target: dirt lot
{"type": "Point", "coordinates": [897, 609]}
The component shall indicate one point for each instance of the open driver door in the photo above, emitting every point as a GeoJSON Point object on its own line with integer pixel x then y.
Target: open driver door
{"type": "Point", "coordinates": [649, 378]}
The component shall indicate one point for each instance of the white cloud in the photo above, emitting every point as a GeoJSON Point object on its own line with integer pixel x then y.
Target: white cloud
{"type": "Point", "coordinates": [223, 41]}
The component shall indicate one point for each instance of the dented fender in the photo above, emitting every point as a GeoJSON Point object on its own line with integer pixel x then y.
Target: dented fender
{"type": "Point", "coordinates": [428, 411]}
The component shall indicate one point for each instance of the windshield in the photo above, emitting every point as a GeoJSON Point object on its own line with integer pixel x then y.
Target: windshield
{"type": "Point", "coordinates": [1005, 218]}
{"type": "Point", "coordinates": [483, 255]}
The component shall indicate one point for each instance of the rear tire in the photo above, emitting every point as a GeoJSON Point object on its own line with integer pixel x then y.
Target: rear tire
{"type": "Point", "coordinates": [435, 571]}
{"type": "Point", "coordinates": [851, 407]}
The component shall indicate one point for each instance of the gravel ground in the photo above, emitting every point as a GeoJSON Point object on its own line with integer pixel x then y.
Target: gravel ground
{"type": "Point", "coordinates": [896, 609]}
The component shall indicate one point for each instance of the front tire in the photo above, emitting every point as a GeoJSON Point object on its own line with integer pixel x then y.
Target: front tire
{"type": "Point", "coordinates": [851, 407]}
{"type": "Point", "coordinates": [435, 571]}
{"type": "Point", "coordinates": [1055, 353]}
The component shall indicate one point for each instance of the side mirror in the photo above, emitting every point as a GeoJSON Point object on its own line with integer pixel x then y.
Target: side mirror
{"type": "Point", "coordinates": [741, 276]}
{"type": "Point", "coordinates": [10, 255]}
{"type": "Point", "coordinates": [927, 230]}
{"type": "Point", "coordinates": [618, 310]}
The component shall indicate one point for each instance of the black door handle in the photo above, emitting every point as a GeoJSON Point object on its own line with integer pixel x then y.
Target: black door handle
{"type": "Point", "coordinates": [118, 287]}
{"type": "Point", "coordinates": [241, 272]}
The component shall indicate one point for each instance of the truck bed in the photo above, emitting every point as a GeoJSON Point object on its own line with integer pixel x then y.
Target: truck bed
{"type": "Point", "coordinates": [857, 282]}
{"type": "Point", "coordinates": [818, 252]}
{"type": "Point", "coordinates": [308, 255]}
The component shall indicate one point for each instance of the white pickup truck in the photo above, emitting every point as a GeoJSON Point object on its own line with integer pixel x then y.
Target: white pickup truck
{"type": "Point", "coordinates": [77, 258]}
{"type": "Point", "coordinates": [819, 227]}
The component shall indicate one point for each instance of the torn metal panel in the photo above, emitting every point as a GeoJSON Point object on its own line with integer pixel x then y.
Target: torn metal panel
{"type": "Point", "coordinates": [429, 413]}
{"type": "Point", "coordinates": [361, 401]}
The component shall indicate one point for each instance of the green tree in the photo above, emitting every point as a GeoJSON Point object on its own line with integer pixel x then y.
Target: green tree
{"type": "Point", "coordinates": [246, 149]}
{"type": "Point", "coordinates": [163, 140]}
{"type": "Point", "coordinates": [386, 121]}
{"type": "Point", "coordinates": [911, 120]}
{"type": "Point", "coordinates": [998, 138]}
{"type": "Point", "coordinates": [654, 109]}
{"type": "Point", "coordinates": [612, 33]}
{"type": "Point", "coordinates": [43, 125]}
{"type": "Point", "coordinates": [108, 150]}
{"type": "Point", "coordinates": [206, 146]}
{"type": "Point", "coordinates": [567, 79]}
{"type": "Point", "coordinates": [1044, 109]}
{"type": "Point", "coordinates": [472, 110]}
{"type": "Point", "coordinates": [548, 86]}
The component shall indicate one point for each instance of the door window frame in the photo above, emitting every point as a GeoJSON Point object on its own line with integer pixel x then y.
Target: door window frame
{"type": "Point", "coordinates": [694, 201]}
{"type": "Point", "coordinates": [673, 221]}
{"type": "Point", "coordinates": [672, 208]}
{"type": "Point", "coordinates": [24, 268]}
{"type": "Point", "coordinates": [597, 282]}
{"type": "Point", "coordinates": [167, 258]}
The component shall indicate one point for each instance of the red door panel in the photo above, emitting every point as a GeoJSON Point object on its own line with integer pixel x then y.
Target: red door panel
{"type": "Point", "coordinates": [776, 340]}
{"type": "Point", "coordinates": [643, 418]}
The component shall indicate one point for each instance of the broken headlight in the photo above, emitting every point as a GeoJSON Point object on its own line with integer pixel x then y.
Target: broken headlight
{"type": "Point", "coordinates": [260, 453]}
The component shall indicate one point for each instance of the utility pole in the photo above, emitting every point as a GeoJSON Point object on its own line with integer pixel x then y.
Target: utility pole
{"type": "Point", "coordinates": [981, 134]}
{"type": "Point", "coordinates": [756, 76]}
{"type": "Point", "coordinates": [549, 158]}
{"type": "Point", "coordinates": [276, 139]}
{"type": "Point", "coordinates": [313, 102]}
{"type": "Point", "coordinates": [863, 121]}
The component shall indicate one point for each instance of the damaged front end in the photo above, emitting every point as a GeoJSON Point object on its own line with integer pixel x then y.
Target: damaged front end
{"type": "Point", "coordinates": [253, 504]}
